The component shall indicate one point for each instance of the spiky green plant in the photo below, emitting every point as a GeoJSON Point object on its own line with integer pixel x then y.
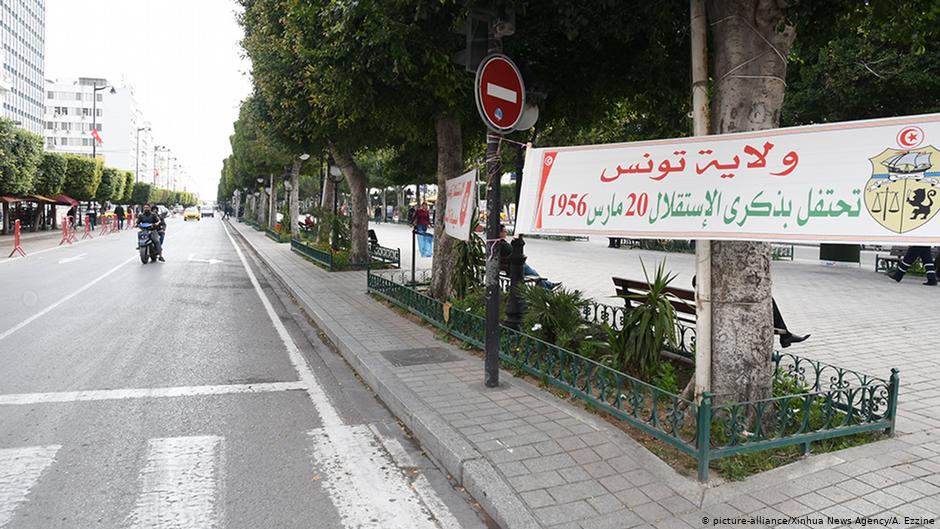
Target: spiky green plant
{"type": "Point", "coordinates": [552, 315]}
{"type": "Point", "coordinates": [469, 260]}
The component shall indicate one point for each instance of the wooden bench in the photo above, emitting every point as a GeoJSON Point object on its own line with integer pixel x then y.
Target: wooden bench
{"type": "Point", "coordinates": [780, 252]}
{"type": "Point", "coordinates": [887, 263]}
{"type": "Point", "coordinates": [681, 299]}
{"type": "Point", "coordinates": [373, 238]}
{"type": "Point", "coordinates": [617, 242]}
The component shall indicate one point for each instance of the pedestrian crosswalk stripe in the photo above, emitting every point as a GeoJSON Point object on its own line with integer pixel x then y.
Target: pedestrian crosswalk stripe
{"type": "Point", "coordinates": [368, 490]}
{"type": "Point", "coordinates": [20, 469]}
{"type": "Point", "coordinates": [421, 484]}
{"type": "Point", "coordinates": [178, 484]}
{"type": "Point", "coordinates": [145, 393]}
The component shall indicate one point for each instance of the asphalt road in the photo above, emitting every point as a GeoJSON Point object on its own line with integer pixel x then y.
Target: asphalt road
{"type": "Point", "coordinates": [187, 394]}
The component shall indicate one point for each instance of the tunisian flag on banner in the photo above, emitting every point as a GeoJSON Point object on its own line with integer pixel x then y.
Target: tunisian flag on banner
{"type": "Point", "coordinates": [96, 136]}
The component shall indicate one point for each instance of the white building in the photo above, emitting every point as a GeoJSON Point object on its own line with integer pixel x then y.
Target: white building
{"type": "Point", "coordinates": [73, 106]}
{"type": "Point", "coordinates": [23, 36]}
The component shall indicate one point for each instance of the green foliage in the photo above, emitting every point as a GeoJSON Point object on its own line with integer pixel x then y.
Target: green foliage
{"type": "Point", "coordinates": [666, 378]}
{"type": "Point", "coordinates": [141, 194]}
{"type": "Point", "coordinates": [108, 186]}
{"type": "Point", "coordinates": [553, 315]}
{"type": "Point", "coordinates": [128, 192]}
{"type": "Point", "coordinates": [20, 155]}
{"type": "Point", "coordinates": [82, 176]}
{"type": "Point", "coordinates": [50, 174]}
{"type": "Point", "coordinates": [647, 328]}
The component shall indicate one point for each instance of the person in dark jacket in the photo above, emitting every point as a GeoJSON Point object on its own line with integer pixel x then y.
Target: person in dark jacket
{"type": "Point", "coordinates": [149, 216]}
{"type": "Point", "coordinates": [119, 215]}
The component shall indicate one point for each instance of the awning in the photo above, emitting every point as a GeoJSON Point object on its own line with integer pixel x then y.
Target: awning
{"type": "Point", "coordinates": [8, 199]}
{"type": "Point", "coordinates": [40, 199]}
{"type": "Point", "coordinates": [64, 200]}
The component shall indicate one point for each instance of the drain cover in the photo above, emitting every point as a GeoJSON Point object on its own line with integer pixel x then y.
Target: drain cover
{"type": "Point", "coordinates": [416, 357]}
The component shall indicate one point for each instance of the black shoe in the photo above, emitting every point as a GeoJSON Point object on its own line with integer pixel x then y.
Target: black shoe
{"type": "Point", "coordinates": [930, 283]}
{"type": "Point", "coordinates": [787, 339]}
{"type": "Point", "coordinates": [161, 259]}
{"type": "Point", "coordinates": [895, 275]}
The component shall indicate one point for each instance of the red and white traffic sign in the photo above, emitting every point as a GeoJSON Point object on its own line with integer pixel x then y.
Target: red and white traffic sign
{"type": "Point", "coordinates": [500, 93]}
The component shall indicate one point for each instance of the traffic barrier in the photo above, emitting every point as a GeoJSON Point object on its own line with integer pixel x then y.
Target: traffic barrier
{"type": "Point", "coordinates": [105, 226]}
{"type": "Point", "coordinates": [68, 230]}
{"type": "Point", "coordinates": [130, 219]}
{"type": "Point", "coordinates": [17, 248]}
{"type": "Point", "coordinates": [87, 234]}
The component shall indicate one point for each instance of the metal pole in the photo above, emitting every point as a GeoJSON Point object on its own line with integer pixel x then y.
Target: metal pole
{"type": "Point", "coordinates": [414, 236]}
{"type": "Point", "coordinates": [493, 169]}
{"type": "Point", "coordinates": [703, 253]}
{"type": "Point", "coordinates": [94, 120]}
{"type": "Point", "coordinates": [137, 159]}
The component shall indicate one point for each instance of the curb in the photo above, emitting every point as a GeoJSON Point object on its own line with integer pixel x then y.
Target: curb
{"type": "Point", "coordinates": [449, 450]}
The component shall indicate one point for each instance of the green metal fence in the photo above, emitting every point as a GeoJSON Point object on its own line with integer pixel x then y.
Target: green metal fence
{"type": "Point", "coordinates": [322, 258]}
{"type": "Point", "coordinates": [836, 402]}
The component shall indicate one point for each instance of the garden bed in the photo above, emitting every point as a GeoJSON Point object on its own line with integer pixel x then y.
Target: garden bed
{"type": "Point", "coordinates": [814, 405]}
{"type": "Point", "coordinates": [332, 260]}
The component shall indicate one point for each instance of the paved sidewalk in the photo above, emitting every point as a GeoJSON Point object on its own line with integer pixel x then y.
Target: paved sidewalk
{"type": "Point", "coordinates": [533, 460]}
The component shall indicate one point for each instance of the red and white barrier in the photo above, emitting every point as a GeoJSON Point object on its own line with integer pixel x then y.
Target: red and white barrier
{"type": "Point", "coordinates": [105, 226]}
{"type": "Point", "coordinates": [68, 230]}
{"type": "Point", "coordinates": [17, 247]}
{"type": "Point", "coordinates": [87, 234]}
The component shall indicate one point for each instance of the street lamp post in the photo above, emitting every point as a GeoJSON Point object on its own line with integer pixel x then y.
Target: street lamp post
{"type": "Point", "coordinates": [156, 149]}
{"type": "Point", "coordinates": [137, 156]}
{"type": "Point", "coordinates": [94, 115]}
{"type": "Point", "coordinates": [336, 175]}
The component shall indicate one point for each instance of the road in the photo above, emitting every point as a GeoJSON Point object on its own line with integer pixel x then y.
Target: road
{"type": "Point", "coordinates": [187, 394]}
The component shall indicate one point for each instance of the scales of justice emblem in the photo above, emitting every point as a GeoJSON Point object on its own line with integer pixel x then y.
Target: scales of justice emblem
{"type": "Point", "coordinates": [901, 194]}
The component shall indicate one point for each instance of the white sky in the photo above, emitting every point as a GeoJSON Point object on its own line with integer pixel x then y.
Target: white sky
{"type": "Point", "coordinates": [181, 56]}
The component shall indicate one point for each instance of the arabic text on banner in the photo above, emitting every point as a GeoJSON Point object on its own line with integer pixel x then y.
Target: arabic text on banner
{"type": "Point", "coordinates": [461, 192]}
{"type": "Point", "coordinates": [873, 181]}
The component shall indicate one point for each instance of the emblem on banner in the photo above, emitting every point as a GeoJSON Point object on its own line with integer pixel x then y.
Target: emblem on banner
{"type": "Point", "coordinates": [902, 191]}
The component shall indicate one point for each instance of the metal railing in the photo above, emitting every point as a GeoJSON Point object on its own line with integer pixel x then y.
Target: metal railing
{"type": "Point", "coordinates": [378, 256]}
{"type": "Point", "coordinates": [320, 257]}
{"type": "Point", "coordinates": [828, 401]}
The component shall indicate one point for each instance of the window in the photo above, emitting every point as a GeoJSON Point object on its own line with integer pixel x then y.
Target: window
{"type": "Point", "coordinates": [98, 112]}
{"type": "Point", "coordinates": [78, 96]}
{"type": "Point", "coordinates": [98, 125]}
{"type": "Point", "coordinates": [99, 97]}
{"type": "Point", "coordinates": [50, 95]}
{"type": "Point", "coordinates": [86, 111]}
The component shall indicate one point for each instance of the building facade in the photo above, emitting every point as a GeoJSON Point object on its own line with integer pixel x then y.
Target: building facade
{"type": "Point", "coordinates": [74, 107]}
{"type": "Point", "coordinates": [23, 36]}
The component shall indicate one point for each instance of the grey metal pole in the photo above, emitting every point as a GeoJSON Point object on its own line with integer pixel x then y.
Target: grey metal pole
{"type": "Point", "coordinates": [493, 199]}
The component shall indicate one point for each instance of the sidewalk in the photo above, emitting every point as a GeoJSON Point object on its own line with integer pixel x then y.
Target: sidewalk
{"type": "Point", "coordinates": [534, 460]}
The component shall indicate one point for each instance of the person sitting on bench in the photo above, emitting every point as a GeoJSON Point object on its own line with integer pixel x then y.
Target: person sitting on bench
{"type": "Point", "coordinates": [505, 250]}
{"type": "Point", "coordinates": [787, 338]}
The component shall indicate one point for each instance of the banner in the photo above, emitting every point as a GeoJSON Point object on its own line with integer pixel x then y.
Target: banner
{"type": "Point", "coordinates": [461, 192]}
{"type": "Point", "coordinates": [873, 181]}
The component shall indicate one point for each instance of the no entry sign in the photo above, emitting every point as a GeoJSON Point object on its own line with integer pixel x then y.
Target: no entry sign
{"type": "Point", "coordinates": [500, 93]}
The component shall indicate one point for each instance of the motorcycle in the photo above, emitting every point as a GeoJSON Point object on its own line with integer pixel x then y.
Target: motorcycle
{"type": "Point", "coordinates": [148, 250]}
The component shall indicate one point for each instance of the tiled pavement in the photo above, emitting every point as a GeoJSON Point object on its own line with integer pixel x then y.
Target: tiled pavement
{"type": "Point", "coordinates": [534, 460]}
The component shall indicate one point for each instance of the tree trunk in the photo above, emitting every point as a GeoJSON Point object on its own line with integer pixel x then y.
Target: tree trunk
{"type": "Point", "coordinates": [326, 202]}
{"type": "Point", "coordinates": [384, 204]}
{"type": "Point", "coordinates": [751, 42]}
{"type": "Point", "coordinates": [359, 199]}
{"type": "Point", "coordinates": [262, 207]}
{"type": "Point", "coordinates": [272, 211]}
{"type": "Point", "coordinates": [449, 164]}
{"type": "Point", "coordinates": [294, 199]}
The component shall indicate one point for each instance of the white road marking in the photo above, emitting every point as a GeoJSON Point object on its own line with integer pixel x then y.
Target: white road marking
{"type": "Point", "coordinates": [178, 485]}
{"type": "Point", "coordinates": [20, 469]}
{"type": "Point", "coordinates": [500, 92]}
{"type": "Point", "coordinates": [210, 261]}
{"type": "Point", "coordinates": [421, 484]}
{"type": "Point", "coordinates": [363, 484]}
{"type": "Point", "coordinates": [46, 310]}
{"type": "Point", "coordinates": [21, 399]}
{"type": "Point", "coordinates": [37, 252]}
{"type": "Point", "coordinates": [78, 257]}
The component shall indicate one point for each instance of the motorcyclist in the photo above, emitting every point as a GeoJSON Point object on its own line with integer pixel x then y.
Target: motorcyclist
{"type": "Point", "coordinates": [150, 217]}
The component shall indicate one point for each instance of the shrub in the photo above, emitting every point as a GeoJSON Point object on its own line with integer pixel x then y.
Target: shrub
{"type": "Point", "coordinates": [553, 315]}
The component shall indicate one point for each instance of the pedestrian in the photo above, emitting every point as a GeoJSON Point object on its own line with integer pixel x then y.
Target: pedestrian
{"type": "Point", "coordinates": [422, 218]}
{"type": "Point", "coordinates": [119, 215]}
{"type": "Point", "coordinates": [71, 214]}
{"type": "Point", "coordinates": [910, 257]}
{"type": "Point", "coordinates": [92, 216]}
{"type": "Point", "coordinates": [411, 215]}
{"type": "Point", "coordinates": [505, 251]}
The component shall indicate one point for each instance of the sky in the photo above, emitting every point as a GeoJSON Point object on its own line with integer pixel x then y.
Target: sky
{"type": "Point", "coordinates": [181, 56]}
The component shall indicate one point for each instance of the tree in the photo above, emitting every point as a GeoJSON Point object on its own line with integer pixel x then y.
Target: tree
{"type": "Point", "coordinates": [20, 154]}
{"type": "Point", "coordinates": [128, 191]}
{"type": "Point", "coordinates": [141, 193]}
{"type": "Point", "coordinates": [82, 177]}
{"type": "Point", "coordinates": [50, 174]}
{"type": "Point", "coordinates": [108, 185]}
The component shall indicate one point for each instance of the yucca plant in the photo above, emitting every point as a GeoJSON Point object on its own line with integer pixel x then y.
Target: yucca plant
{"type": "Point", "coordinates": [552, 315]}
{"type": "Point", "coordinates": [647, 328]}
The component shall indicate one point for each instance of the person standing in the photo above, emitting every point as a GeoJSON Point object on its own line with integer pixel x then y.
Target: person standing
{"type": "Point", "coordinates": [119, 215]}
{"type": "Point", "coordinates": [910, 257]}
{"type": "Point", "coordinates": [422, 218]}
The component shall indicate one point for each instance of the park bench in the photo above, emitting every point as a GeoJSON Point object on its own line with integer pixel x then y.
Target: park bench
{"type": "Point", "coordinates": [886, 263]}
{"type": "Point", "coordinates": [683, 300]}
{"type": "Point", "coordinates": [781, 251]}
{"type": "Point", "coordinates": [617, 242]}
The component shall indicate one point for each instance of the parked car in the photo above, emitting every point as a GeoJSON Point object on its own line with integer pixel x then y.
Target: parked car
{"type": "Point", "coordinates": [207, 211]}
{"type": "Point", "coordinates": [191, 213]}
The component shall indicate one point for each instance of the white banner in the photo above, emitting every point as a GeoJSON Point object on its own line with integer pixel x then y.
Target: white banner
{"type": "Point", "coordinates": [461, 192]}
{"type": "Point", "coordinates": [872, 181]}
